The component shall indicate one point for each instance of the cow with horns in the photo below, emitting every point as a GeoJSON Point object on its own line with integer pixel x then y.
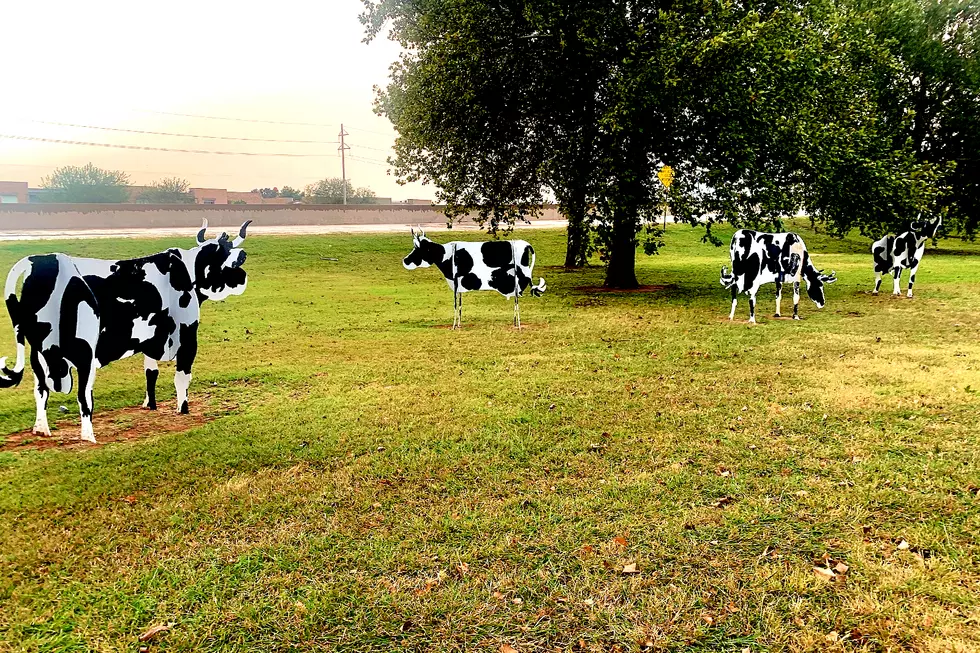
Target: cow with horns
{"type": "Point", "coordinates": [761, 258]}
{"type": "Point", "coordinates": [502, 265]}
{"type": "Point", "coordinates": [84, 313]}
{"type": "Point", "coordinates": [904, 251]}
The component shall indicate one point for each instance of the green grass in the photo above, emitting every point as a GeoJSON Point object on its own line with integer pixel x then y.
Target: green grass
{"type": "Point", "coordinates": [387, 484]}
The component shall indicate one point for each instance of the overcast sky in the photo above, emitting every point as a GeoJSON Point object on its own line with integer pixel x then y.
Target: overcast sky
{"type": "Point", "coordinates": [132, 65]}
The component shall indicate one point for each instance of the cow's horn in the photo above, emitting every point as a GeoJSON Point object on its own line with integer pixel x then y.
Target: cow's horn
{"type": "Point", "coordinates": [241, 234]}
{"type": "Point", "coordinates": [200, 234]}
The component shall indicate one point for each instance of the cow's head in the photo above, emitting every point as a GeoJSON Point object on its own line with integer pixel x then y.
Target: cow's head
{"type": "Point", "coordinates": [424, 252]}
{"type": "Point", "coordinates": [218, 264]}
{"type": "Point", "coordinates": [925, 229]}
{"type": "Point", "coordinates": [815, 281]}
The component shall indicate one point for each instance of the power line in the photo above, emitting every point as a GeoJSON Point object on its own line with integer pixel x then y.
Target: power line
{"type": "Point", "coordinates": [376, 149]}
{"type": "Point", "coordinates": [269, 122]}
{"type": "Point", "coordinates": [141, 131]}
{"type": "Point", "coordinates": [155, 149]}
{"type": "Point", "coordinates": [371, 161]}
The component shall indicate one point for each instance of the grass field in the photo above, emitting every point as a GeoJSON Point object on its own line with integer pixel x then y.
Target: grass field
{"type": "Point", "coordinates": [385, 484]}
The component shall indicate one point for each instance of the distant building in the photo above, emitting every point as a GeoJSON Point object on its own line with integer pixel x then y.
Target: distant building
{"type": "Point", "coordinates": [13, 192]}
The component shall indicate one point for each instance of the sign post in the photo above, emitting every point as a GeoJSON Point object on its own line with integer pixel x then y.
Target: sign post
{"type": "Point", "coordinates": [666, 177]}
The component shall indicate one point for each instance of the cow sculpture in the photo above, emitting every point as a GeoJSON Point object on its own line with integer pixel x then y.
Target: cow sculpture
{"type": "Point", "coordinates": [760, 258]}
{"type": "Point", "coordinates": [904, 251]}
{"type": "Point", "coordinates": [85, 313]}
{"type": "Point", "coordinates": [502, 265]}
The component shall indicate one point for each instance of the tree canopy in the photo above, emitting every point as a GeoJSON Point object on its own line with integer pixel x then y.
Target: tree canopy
{"type": "Point", "coordinates": [763, 109]}
{"type": "Point", "coordinates": [87, 185]}
{"type": "Point", "coordinates": [170, 190]}
{"type": "Point", "coordinates": [331, 191]}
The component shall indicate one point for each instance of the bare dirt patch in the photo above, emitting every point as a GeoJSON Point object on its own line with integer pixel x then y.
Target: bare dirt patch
{"type": "Point", "coordinates": [640, 289]}
{"type": "Point", "coordinates": [119, 425]}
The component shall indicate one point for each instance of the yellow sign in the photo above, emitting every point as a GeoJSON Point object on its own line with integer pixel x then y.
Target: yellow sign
{"type": "Point", "coordinates": [666, 176]}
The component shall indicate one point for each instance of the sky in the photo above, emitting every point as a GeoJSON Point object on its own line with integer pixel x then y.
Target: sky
{"type": "Point", "coordinates": [131, 65]}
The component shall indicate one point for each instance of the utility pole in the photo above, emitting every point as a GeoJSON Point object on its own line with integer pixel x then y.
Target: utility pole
{"type": "Point", "coordinates": [343, 163]}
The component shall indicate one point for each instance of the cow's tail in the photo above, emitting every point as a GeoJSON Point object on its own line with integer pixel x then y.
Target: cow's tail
{"type": "Point", "coordinates": [538, 290]}
{"type": "Point", "coordinates": [727, 280]}
{"type": "Point", "coordinates": [11, 377]}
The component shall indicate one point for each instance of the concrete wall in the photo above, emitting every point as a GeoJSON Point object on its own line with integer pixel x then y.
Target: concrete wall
{"type": "Point", "coordinates": [70, 217]}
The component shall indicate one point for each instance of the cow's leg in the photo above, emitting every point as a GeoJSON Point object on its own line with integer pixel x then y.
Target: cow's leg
{"type": "Point", "coordinates": [752, 308]}
{"type": "Point", "coordinates": [912, 278]}
{"type": "Point", "coordinates": [731, 316]}
{"type": "Point", "coordinates": [152, 371]}
{"type": "Point", "coordinates": [877, 283]}
{"type": "Point", "coordinates": [779, 296]}
{"type": "Point", "coordinates": [41, 394]}
{"type": "Point", "coordinates": [86, 399]}
{"type": "Point", "coordinates": [898, 274]}
{"type": "Point", "coordinates": [186, 354]}
{"type": "Point", "coordinates": [796, 300]}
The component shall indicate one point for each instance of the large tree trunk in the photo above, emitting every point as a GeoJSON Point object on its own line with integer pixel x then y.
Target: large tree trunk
{"type": "Point", "coordinates": [621, 272]}
{"type": "Point", "coordinates": [576, 252]}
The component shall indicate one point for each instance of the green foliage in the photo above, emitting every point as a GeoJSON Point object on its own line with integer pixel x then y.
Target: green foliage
{"type": "Point", "coordinates": [931, 94]}
{"type": "Point", "coordinates": [331, 191]}
{"type": "Point", "coordinates": [764, 109]}
{"type": "Point", "coordinates": [293, 193]}
{"type": "Point", "coordinates": [170, 190]}
{"type": "Point", "coordinates": [87, 185]}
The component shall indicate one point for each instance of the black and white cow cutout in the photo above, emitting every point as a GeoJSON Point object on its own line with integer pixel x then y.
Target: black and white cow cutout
{"type": "Point", "coordinates": [759, 258]}
{"type": "Point", "coordinates": [502, 265]}
{"type": "Point", "coordinates": [85, 313]}
{"type": "Point", "coordinates": [903, 252]}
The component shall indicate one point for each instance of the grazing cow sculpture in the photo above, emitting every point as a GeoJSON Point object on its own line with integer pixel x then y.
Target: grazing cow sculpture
{"type": "Point", "coordinates": [904, 251]}
{"type": "Point", "coordinates": [502, 265]}
{"type": "Point", "coordinates": [85, 313]}
{"type": "Point", "coordinates": [759, 258]}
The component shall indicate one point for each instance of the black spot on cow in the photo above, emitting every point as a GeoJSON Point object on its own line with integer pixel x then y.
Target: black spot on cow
{"type": "Point", "coordinates": [151, 388]}
{"type": "Point", "coordinates": [188, 347]}
{"type": "Point", "coordinates": [464, 263]}
{"type": "Point", "coordinates": [502, 280]}
{"type": "Point", "coordinates": [526, 256]}
{"type": "Point", "coordinates": [471, 282]}
{"type": "Point", "coordinates": [497, 254]}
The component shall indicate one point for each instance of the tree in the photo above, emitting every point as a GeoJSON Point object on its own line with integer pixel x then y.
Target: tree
{"type": "Point", "coordinates": [495, 106]}
{"type": "Point", "coordinates": [170, 190]}
{"type": "Point", "coordinates": [331, 191]}
{"type": "Point", "coordinates": [292, 193]}
{"type": "Point", "coordinates": [762, 108]}
{"type": "Point", "coordinates": [267, 193]}
{"type": "Point", "coordinates": [87, 184]}
{"type": "Point", "coordinates": [931, 94]}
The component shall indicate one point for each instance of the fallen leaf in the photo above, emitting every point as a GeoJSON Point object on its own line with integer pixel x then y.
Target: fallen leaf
{"type": "Point", "coordinates": [722, 502]}
{"type": "Point", "coordinates": [841, 568]}
{"type": "Point", "coordinates": [824, 574]}
{"type": "Point", "coordinates": [621, 541]}
{"type": "Point", "coordinates": [801, 493]}
{"type": "Point", "coordinates": [462, 568]}
{"type": "Point", "coordinates": [832, 636]}
{"type": "Point", "coordinates": [708, 619]}
{"type": "Point", "coordinates": [518, 600]}
{"type": "Point", "coordinates": [903, 546]}
{"type": "Point", "coordinates": [154, 631]}
{"type": "Point", "coordinates": [498, 595]}
{"type": "Point", "coordinates": [588, 548]}
{"type": "Point", "coordinates": [631, 569]}
{"type": "Point", "coordinates": [746, 650]}
{"type": "Point", "coordinates": [507, 648]}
